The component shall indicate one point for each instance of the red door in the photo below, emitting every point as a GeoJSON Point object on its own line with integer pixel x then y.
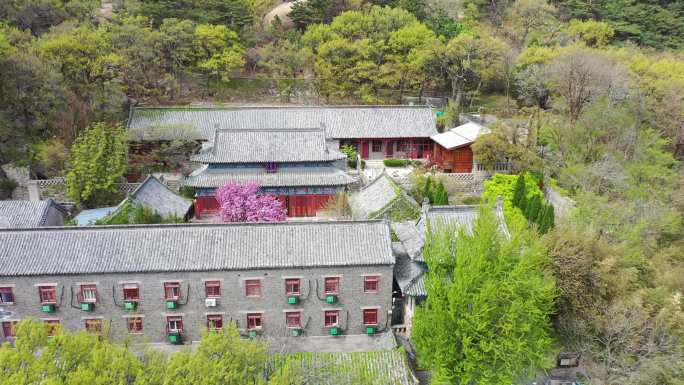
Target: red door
{"type": "Point", "coordinates": [463, 159]}
{"type": "Point", "coordinates": [364, 149]}
{"type": "Point", "coordinates": [389, 148]}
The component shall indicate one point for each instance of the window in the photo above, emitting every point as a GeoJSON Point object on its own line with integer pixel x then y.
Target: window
{"type": "Point", "coordinates": [271, 167]}
{"type": "Point", "coordinates": [376, 146]}
{"type": "Point", "coordinates": [51, 326]}
{"type": "Point", "coordinates": [293, 319]}
{"type": "Point", "coordinates": [172, 291]}
{"type": "Point", "coordinates": [370, 317]}
{"type": "Point", "coordinates": [253, 288]}
{"type": "Point", "coordinates": [370, 284]}
{"type": "Point", "coordinates": [402, 146]}
{"type": "Point", "coordinates": [8, 328]}
{"type": "Point", "coordinates": [48, 294]}
{"type": "Point", "coordinates": [332, 285]}
{"type": "Point", "coordinates": [174, 324]}
{"type": "Point", "coordinates": [253, 321]}
{"type": "Point", "coordinates": [332, 317]}
{"type": "Point", "coordinates": [214, 322]}
{"type": "Point", "coordinates": [6, 295]}
{"type": "Point", "coordinates": [88, 293]}
{"type": "Point", "coordinates": [93, 325]}
{"type": "Point", "coordinates": [131, 292]}
{"type": "Point", "coordinates": [292, 286]}
{"type": "Point", "coordinates": [212, 289]}
{"type": "Point", "coordinates": [134, 324]}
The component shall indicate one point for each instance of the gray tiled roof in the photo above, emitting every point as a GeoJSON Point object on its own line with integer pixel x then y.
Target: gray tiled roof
{"type": "Point", "coordinates": [196, 247]}
{"type": "Point", "coordinates": [386, 367]}
{"type": "Point", "coordinates": [24, 214]}
{"type": "Point", "coordinates": [160, 123]}
{"type": "Point", "coordinates": [271, 145]}
{"type": "Point", "coordinates": [157, 196]}
{"type": "Point", "coordinates": [408, 272]}
{"type": "Point", "coordinates": [373, 197]}
{"type": "Point", "coordinates": [284, 177]}
{"type": "Point", "coordinates": [463, 215]}
{"type": "Point", "coordinates": [412, 236]}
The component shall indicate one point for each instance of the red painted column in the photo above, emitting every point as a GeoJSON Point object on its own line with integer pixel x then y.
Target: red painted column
{"type": "Point", "coordinates": [364, 149]}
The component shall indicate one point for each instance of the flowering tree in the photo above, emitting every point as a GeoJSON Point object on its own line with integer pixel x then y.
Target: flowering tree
{"type": "Point", "coordinates": [243, 203]}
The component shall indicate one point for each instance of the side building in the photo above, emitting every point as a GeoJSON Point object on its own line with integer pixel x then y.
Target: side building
{"type": "Point", "coordinates": [378, 132]}
{"type": "Point", "coordinates": [26, 214]}
{"type": "Point", "coordinates": [157, 283]}
{"type": "Point", "coordinates": [295, 165]}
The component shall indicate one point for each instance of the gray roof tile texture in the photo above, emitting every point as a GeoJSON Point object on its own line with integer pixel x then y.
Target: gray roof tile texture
{"type": "Point", "coordinates": [23, 214]}
{"type": "Point", "coordinates": [160, 248]}
{"type": "Point", "coordinates": [339, 121]}
{"type": "Point", "coordinates": [374, 196]}
{"type": "Point", "coordinates": [159, 197]}
{"type": "Point", "coordinates": [272, 145]}
{"type": "Point", "coordinates": [284, 177]}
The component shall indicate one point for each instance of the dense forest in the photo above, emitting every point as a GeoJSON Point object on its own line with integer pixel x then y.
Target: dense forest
{"type": "Point", "coordinates": [588, 95]}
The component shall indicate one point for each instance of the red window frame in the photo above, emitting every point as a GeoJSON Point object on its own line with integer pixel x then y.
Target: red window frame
{"type": "Point", "coordinates": [179, 323]}
{"type": "Point", "coordinates": [370, 317]}
{"type": "Point", "coordinates": [254, 321]}
{"type": "Point", "coordinates": [376, 145]}
{"type": "Point", "coordinates": [93, 325]}
{"type": "Point", "coordinates": [402, 145]}
{"type": "Point", "coordinates": [212, 289]}
{"type": "Point", "coordinates": [253, 287]}
{"type": "Point", "coordinates": [169, 289]}
{"type": "Point", "coordinates": [6, 295]}
{"type": "Point", "coordinates": [371, 284]}
{"type": "Point", "coordinates": [8, 328]}
{"type": "Point", "coordinates": [331, 285]}
{"type": "Point", "coordinates": [131, 292]}
{"type": "Point", "coordinates": [293, 319]}
{"type": "Point", "coordinates": [134, 324]}
{"type": "Point", "coordinates": [51, 326]}
{"type": "Point", "coordinates": [47, 294]}
{"type": "Point", "coordinates": [88, 288]}
{"type": "Point", "coordinates": [214, 321]}
{"type": "Point", "coordinates": [332, 318]}
{"type": "Point", "coordinates": [293, 286]}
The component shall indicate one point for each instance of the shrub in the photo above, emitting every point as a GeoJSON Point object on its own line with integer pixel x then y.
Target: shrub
{"type": "Point", "coordinates": [397, 162]}
{"type": "Point", "coordinates": [7, 186]}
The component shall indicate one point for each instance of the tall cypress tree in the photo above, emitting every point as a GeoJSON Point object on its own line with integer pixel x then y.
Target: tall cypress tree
{"type": "Point", "coordinates": [519, 193]}
{"type": "Point", "coordinates": [532, 210]}
{"type": "Point", "coordinates": [427, 190]}
{"type": "Point", "coordinates": [440, 195]}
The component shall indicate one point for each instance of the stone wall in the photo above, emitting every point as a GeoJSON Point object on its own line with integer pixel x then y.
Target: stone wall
{"type": "Point", "coordinates": [21, 176]}
{"type": "Point", "coordinates": [233, 304]}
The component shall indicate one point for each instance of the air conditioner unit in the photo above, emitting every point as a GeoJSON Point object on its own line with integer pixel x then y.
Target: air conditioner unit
{"type": "Point", "coordinates": [210, 302]}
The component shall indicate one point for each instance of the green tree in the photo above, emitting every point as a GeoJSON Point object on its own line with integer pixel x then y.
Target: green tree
{"type": "Point", "coordinates": [427, 189]}
{"type": "Point", "coordinates": [593, 33]}
{"type": "Point", "coordinates": [97, 162]}
{"type": "Point", "coordinates": [440, 195]}
{"type": "Point", "coordinates": [533, 207]}
{"type": "Point", "coordinates": [217, 52]}
{"type": "Point", "coordinates": [519, 193]}
{"type": "Point", "coordinates": [486, 317]}
{"type": "Point", "coordinates": [220, 358]}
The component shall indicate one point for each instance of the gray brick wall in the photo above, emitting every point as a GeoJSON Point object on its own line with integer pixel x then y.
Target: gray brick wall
{"type": "Point", "coordinates": [233, 302]}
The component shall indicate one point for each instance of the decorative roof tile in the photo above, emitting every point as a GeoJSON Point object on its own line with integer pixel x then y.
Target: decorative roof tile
{"type": "Point", "coordinates": [193, 247]}
{"type": "Point", "coordinates": [269, 145]}
{"type": "Point", "coordinates": [340, 122]}
{"type": "Point", "coordinates": [157, 196]}
{"type": "Point", "coordinates": [25, 214]}
{"type": "Point", "coordinates": [385, 367]}
{"type": "Point", "coordinates": [408, 272]}
{"type": "Point", "coordinates": [283, 177]}
{"type": "Point", "coordinates": [375, 196]}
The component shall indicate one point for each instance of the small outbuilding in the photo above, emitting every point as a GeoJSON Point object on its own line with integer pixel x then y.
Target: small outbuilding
{"type": "Point", "coordinates": [453, 152]}
{"type": "Point", "coordinates": [383, 197]}
{"type": "Point", "coordinates": [27, 214]}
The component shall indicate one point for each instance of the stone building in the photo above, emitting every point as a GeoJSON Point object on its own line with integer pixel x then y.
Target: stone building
{"type": "Point", "coordinates": [378, 132]}
{"type": "Point", "coordinates": [158, 283]}
{"type": "Point", "coordinates": [296, 165]}
{"type": "Point", "coordinates": [26, 214]}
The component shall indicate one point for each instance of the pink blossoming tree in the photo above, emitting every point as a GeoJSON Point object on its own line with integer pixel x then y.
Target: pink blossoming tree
{"type": "Point", "coordinates": [243, 203]}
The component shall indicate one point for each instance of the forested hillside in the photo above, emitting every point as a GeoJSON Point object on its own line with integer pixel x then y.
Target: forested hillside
{"type": "Point", "coordinates": [588, 95]}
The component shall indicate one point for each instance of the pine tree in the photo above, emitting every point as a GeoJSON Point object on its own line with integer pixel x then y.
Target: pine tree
{"type": "Point", "coordinates": [440, 195]}
{"type": "Point", "coordinates": [543, 218]}
{"type": "Point", "coordinates": [427, 190]}
{"type": "Point", "coordinates": [519, 194]}
{"type": "Point", "coordinates": [533, 208]}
